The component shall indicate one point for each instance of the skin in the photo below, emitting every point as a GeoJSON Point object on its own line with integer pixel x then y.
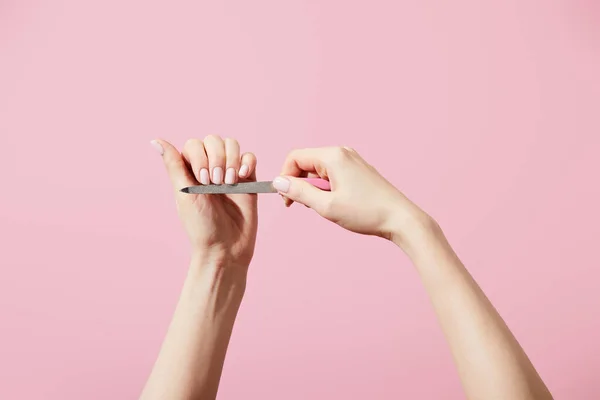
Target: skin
{"type": "Point", "coordinates": [222, 230]}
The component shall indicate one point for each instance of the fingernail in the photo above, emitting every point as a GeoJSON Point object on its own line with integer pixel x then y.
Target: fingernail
{"type": "Point", "coordinates": [204, 179]}
{"type": "Point", "coordinates": [230, 176]}
{"type": "Point", "coordinates": [243, 171]}
{"type": "Point", "coordinates": [217, 175]}
{"type": "Point", "coordinates": [281, 184]}
{"type": "Point", "coordinates": [157, 146]}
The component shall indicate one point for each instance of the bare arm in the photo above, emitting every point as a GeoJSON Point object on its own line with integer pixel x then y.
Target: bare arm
{"type": "Point", "coordinates": [222, 233]}
{"type": "Point", "coordinates": [191, 359]}
{"type": "Point", "coordinates": [490, 361]}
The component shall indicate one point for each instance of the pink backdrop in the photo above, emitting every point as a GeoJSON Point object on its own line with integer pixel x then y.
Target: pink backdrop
{"type": "Point", "coordinates": [485, 113]}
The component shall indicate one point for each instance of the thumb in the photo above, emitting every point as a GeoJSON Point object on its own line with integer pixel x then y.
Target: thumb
{"type": "Point", "coordinates": [300, 191]}
{"type": "Point", "coordinates": [178, 172]}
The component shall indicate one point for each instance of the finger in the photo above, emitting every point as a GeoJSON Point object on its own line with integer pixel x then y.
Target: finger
{"type": "Point", "coordinates": [232, 160]}
{"type": "Point", "coordinates": [215, 151]}
{"type": "Point", "coordinates": [303, 161]}
{"type": "Point", "coordinates": [287, 201]}
{"type": "Point", "coordinates": [248, 167]}
{"type": "Point", "coordinates": [303, 192]}
{"type": "Point", "coordinates": [194, 153]}
{"type": "Point", "coordinates": [178, 172]}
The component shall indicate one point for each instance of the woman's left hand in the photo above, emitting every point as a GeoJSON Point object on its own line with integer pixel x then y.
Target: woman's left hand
{"type": "Point", "coordinates": [221, 228]}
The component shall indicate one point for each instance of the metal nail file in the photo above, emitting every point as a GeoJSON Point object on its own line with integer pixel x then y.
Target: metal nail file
{"type": "Point", "coordinates": [249, 187]}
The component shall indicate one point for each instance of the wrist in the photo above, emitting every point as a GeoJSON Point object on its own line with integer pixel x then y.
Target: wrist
{"type": "Point", "coordinates": [217, 258]}
{"type": "Point", "coordinates": [415, 231]}
{"type": "Point", "coordinates": [217, 273]}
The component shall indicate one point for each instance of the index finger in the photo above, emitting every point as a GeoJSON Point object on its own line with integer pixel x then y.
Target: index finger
{"type": "Point", "coordinates": [306, 162]}
{"type": "Point", "coordinates": [301, 162]}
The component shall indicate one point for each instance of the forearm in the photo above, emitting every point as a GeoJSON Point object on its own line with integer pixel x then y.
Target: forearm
{"type": "Point", "coordinates": [490, 361]}
{"type": "Point", "coordinates": [192, 355]}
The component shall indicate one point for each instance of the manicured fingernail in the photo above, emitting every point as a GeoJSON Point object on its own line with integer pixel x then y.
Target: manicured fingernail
{"type": "Point", "coordinates": [281, 184]}
{"type": "Point", "coordinates": [158, 147]}
{"type": "Point", "coordinates": [204, 179]}
{"type": "Point", "coordinates": [230, 176]}
{"type": "Point", "coordinates": [217, 175]}
{"type": "Point", "coordinates": [243, 171]}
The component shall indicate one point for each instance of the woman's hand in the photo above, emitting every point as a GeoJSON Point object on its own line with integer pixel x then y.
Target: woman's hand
{"type": "Point", "coordinates": [361, 200]}
{"type": "Point", "coordinates": [221, 228]}
{"type": "Point", "coordinates": [222, 231]}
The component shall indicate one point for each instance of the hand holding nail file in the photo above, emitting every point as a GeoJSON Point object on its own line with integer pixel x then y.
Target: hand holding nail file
{"type": "Point", "coordinates": [250, 187]}
{"type": "Point", "coordinates": [222, 233]}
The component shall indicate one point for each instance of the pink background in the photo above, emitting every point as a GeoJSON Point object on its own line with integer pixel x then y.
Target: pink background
{"type": "Point", "coordinates": [485, 113]}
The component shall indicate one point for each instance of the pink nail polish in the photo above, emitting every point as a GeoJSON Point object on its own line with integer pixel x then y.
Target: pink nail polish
{"type": "Point", "coordinates": [157, 147]}
{"type": "Point", "coordinates": [204, 178]}
{"type": "Point", "coordinates": [230, 176]}
{"type": "Point", "coordinates": [243, 171]}
{"type": "Point", "coordinates": [217, 175]}
{"type": "Point", "coordinates": [281, 184]}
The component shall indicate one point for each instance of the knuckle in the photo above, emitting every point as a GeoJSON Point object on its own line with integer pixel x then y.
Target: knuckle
{"type": "Point", "coordinates": [214, 148]}
{"type": "Point", "coordinates": [231, 141]}
{"type": "Point", "coordinates": [291, 156]}
{"type": "Point", "coordinates": [212, 138]}
{"type": "Point", "coordinates": [340, 154]}
{"type": "Point", "coordinates": [345, 150]}
{"type": "Point", "coordinates": [192, 143]}
{"type": "Point", "coordinates": [289, 160]}
{"type": "Point", "coordinates": [175, 163]}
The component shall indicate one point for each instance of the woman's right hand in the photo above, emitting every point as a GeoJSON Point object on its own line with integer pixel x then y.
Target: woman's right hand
{"type": "Point", "coordinates": [361, 199]}
{"type": "Point", "coordinates": [489, 359]}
